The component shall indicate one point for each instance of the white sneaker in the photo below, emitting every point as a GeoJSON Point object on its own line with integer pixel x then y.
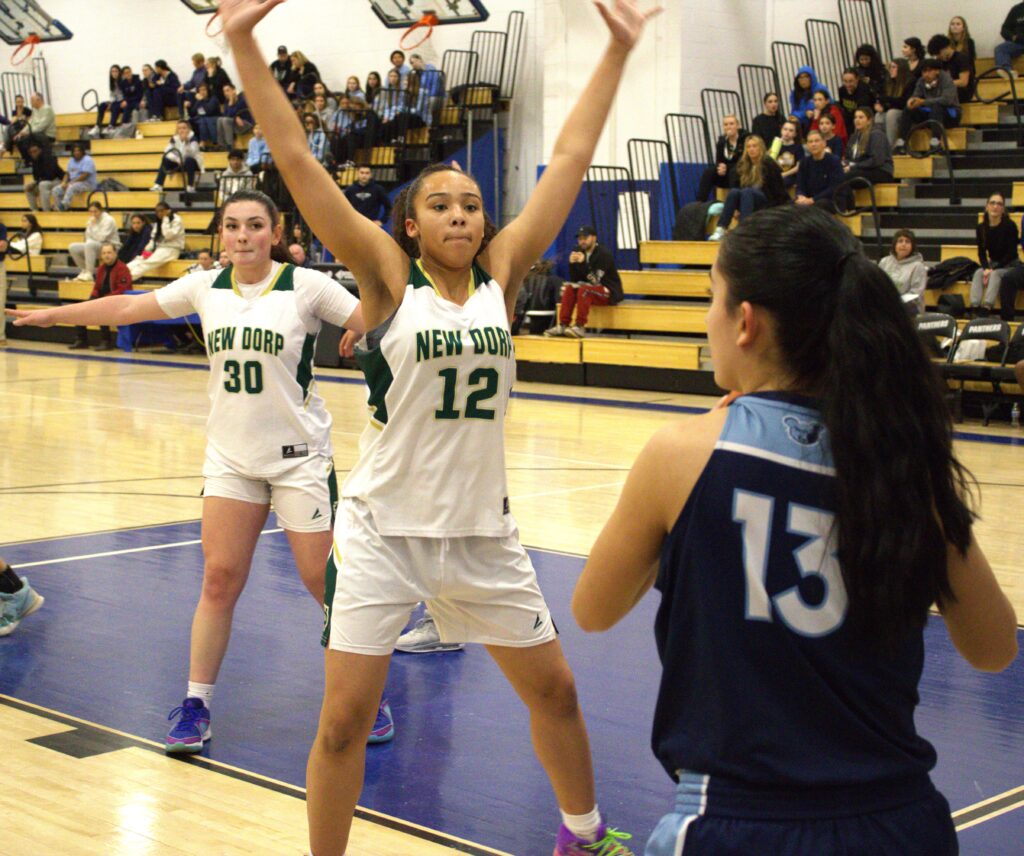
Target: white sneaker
{"type": "Point", "coordinates": [157, 188]}
{"type": "Point", "coordinates": [576, 332]}
{"type": "Point", "coordinates": [190, 188]}
{"type": "Point", "coordinates": [934, 142]}
{"type": "Point", "coordinates": [717, 235]}
{"type": "Point", "coordinates": [84, 277]}
{"type": "Point", "coordinates": [424, 638]}
{"type": "Point", "coordinates": [557, 330]}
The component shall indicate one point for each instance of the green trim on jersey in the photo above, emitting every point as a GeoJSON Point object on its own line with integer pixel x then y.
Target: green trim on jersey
{"type": "Point", "coordinates": [332, 493]}
{"type": "Point", "coordinates": [419, 278]}
{"type": "Point", "coordinates": [283, 280]}
{"type": "Point", "coordinates": [379, 379]}
{"type": "Point", "coordinates": [225, 279]}
{"type": "Point", "coordinates": [331, 584]}
{"type": "Point", "coordinates": [304, 375]}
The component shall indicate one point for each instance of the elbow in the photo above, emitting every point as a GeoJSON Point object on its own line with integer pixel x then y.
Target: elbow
{"type": "Point", "coordinates": [589, 618]}
{"type": "Point", "coordinates": [996, 658]}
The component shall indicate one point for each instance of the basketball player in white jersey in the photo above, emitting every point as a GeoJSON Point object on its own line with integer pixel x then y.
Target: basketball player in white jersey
{"type": "Point", "coordinates": [425, 512]}
{"type": "Point", "coordinates": [268, 431]}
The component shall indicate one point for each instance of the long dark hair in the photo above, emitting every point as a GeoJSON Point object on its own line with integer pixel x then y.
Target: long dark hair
{"type": "Point", "coordinates": [875, 70]}
{"type": "Point", "coordinates": [896, 86]}
{"type": "Point", "coordinates": [33, 224]}
{"type": "Point", "coordinates": [405, 209]}
{"type": "Point", "coordinates": [114, 81]}
{"type": "Point", "coordinates": [844, 337]}
{"type": "Point", "coordinates": [278, 252]}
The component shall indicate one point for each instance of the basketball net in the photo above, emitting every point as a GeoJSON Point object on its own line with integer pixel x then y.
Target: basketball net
{"type": "Point", "coordinates": [28, 45]}
{"type": "Point", "coordinates": [216, 34]}
{"type": "Point", "coordinates": [428, 22]}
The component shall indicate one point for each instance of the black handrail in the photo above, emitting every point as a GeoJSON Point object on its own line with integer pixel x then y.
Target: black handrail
{"type": "Point", "coordinates": [999, 71]}
{"type": "Point", "coordinates": [851, 184]}
{"type": "Point", "coordinates": [96, 101]}
{"type": "Point", "coordinates": [939, 131]}
{"type": "Point", "coordinates": [106, 201]}
{"type": "Point", "coordinates": [14, 255]}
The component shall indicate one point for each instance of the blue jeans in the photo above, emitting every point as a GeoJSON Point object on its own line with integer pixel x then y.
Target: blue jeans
{"type": "Point", "coordinates": [746, 199]}
{"type": "Point", "coordinates": [1007, 52]}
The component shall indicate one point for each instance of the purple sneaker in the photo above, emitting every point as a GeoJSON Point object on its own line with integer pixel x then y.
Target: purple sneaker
{"type": "Point", "coordinates": [608, 843]}
{"type": "Point", "coordinates": [192, 729]}
{"type": "Point", "coordinates": [383, 725]}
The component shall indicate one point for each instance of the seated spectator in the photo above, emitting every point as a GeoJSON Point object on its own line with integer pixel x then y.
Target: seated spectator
{"type": "Point", "coordinates": [115, 97]}
{"type": "Point", "coordinates": [131, 98]}
{"type": "Point", "coordinates": [913, 53]}
{"type": "Point", "coordinates": [17, 122]}
{"type": "Point", "coordinates": [868, 154]}
{"type": "Point", "coordinates": [165, 244]}
{"type": "Point", "coordinates": [216, 78]}
{"type": "Point", "coordinates": [100, 229]}
{"type": "Point", "coordinates": [204, 261]}
{"type": "Point", "coordinates": [238, 176]}
{"type": "Point", "coordinates": [112, 277]}
{"type": "Point", "coordinates": [237, 167]}
{"type": "Point", "coordinates": [330, 101]}
{"type": "Point", "coordinates": [148, 80]}
{"type": "Point", "coordinates": [315, 136]}
{"type": "Point", "coordinates": [961, 39]}
{"type": "Point", "coordinates": [320, 109]}
{"type": "Point", "coordinates": [1009, 286]}
{"type": "Point", "coordinates": [367, 197]}
{"type": "Point", "coordinates": [204, 109]}
{"type": "Point", "coordinates": [223, 260]}
{"type": "Point", "coordinates": [373, 86]}
{"type": "Point", "coordinates": [824, 106]}
{"type": "Point", "coordinates": [906, 268]}
{"type": "Point", "coordinates": [997, 238]}
{"type": "Point", "coordinates": [821, 172]}
{"type": "Point", "coordinates": [398, 64]}
{"type": "Point", "coordinates": [181, 154]}
{"type": "Point", "coordinates": [833, 142]}
{"type": "Point", "coordinates": [801, 99]}
{"type": "Point", "coordinates": [351, 128]}
{"type": "Point", "coordinates": [955, 64]}
{"type": "Point", "coordinates": [429, 83]}
{"type": "Point", "coordinates": [893, 100]}
{"type": "Point", "coordinates": [282, 65]}
{"type": "Point", "coordinates": [593, 281]}
{"type": "Point", "coordinates": [728, 151]}
{"type": "Point", "coordinates": [870, 67]}
{"type": "Point", "coordinates": [1012, 33]}
{"type": "Point", "coordinates": [853, 93]}
{"type": "Point", "coordinates": [390, 111]}
{"type": "Point", "coordinates": [163, 90]}
{"type": "Point", "coordinates": [136, 238]}
{"type": "Point", "coordinates": [186, 92]}
{"type": "Point", "coordinates": [788, 151]}
{"type": "Point", "coordinates": [756, 183]}
{"type": "Point", "coordinates": [769, 123]}
{"type": "Point", "coordinates": [41, 127]}
{"type": "Point", "coordinates": [301, 77]}
{"type": "Point", "coordinates": [354, 89]}
{"type": "Point", "coordinates": [47, 174]}
{"type": "Point", "coordinates": [934, 98]}
{"type": "Point", "coordinates": [28, 241]}
{"type": "Point", "coordinates": [236, 117]}
{"type": "Point", "coordinates": [79, 178]}
{"type": "Point", "coordinates": [258, 155]}
{"type": "Point", "coordinates": [299, 256]}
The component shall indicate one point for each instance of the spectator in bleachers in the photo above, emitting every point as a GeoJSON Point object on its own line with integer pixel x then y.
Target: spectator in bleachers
{"type": "Point", "coordinates": [1011, 283]}
{"type": "Point", "coordinates": [282, 65]}
{"type": "Point", "coordinates": [165, 244]}
{"type": "Point", "coordinates": [329, 100]}
{"type": "Point", "coordinates": [80, 177]}
{"type": "Point", "coordinates": [181, 154]}
{"type": "Point", "coordinates": [398, 64]}
{"type": "Point", "coordinates": [237, 167]}
{"type": "Point", "coordinates": [112, 277]}
{"type": "Point", "coordinates": [163, 90]}
{"type": "Point", "coordinates": [960, 36]}
{"type": "Point", "coordinates": [824, 106]}
{"type": "Point", "coordinates": [28, 241]}
{"type": "Point", "coordinates": [787, 151]}
{"type": "Point", "coordinates": [258, 155]}
{"type": "Point", "coordinates": [756, 183]}
{"type": "Point", "coordinates": [322, 111]}
{"type": "Point", "coordinates": [204, 261]}
{"type": "Point", "coordinates": [821, 172]}
{"type": "Point", "coordinates": [116, 96]}
{"type": "Point", "coordinates": [136, 238]}
{"type": "Point", "coordinates": [216, 78]}
{"type": "Point", "coordinates": [906, 268]}
{"type": "Point", "coordinates": [853, 93]}
{"type": "Point", "coordinates": [351, 127]}
{"type": "Point", "coordinates": [47, 174]}
{"type": "Point", "coordinates": [893, 100]}
{"type": "Point", "coordinates": [100, 229]}
{"type": "Point", "coordinates": [353, 88]}
{"type": "Point", "coordinates": [997, 239]}
{"type": "Point", "coordinates": [769, 123]}
{"type": "Point", "coordinates": [315, 136]}
{"type": "Point", "coordinates": [204, 109]}
{"type": "Point", "coordinates": [301, 77]}
{"type": "Point", "coordinates": [593, 281]}
{"type": "Point", "coordinates": [955, 64]}
{"type": "Point", "coordinates": [237, 176]}
{"type": "Point", "coordinates": [934, 98]}
{"type": "Point", "coordinates": [389, 111]}
{"type": "Point", "coordinates": [186, 92]}
{"type": "Point", "coordinates": [728, 151]}
{"type": "Point", "coordinates": [870, 67]}
{"type": "Point", "coordinates": [1012, 33]}
{"type": "Point", "coordinates": [868, 154]}
{"type": "Point", "coordinates": [833, 142]}
{"type": "Point", "coordinates": [801, 99]}
{"type": "Point", "coordinates": [373, 86]}
{"type": "Point", "coordinates": [913, 53]}
{"type": "Point", "coordinates": [367, 197]}
{"type": "Point", "coordinates": [236, 119]}
{"type": "Point", "coordinates": [41, 127]}
{"type": "Point", "coordinates": [18, 120]}
{"type": "Point", "coordinates": [131, 92]}
{"type": "Point", "coordinates": [148, 80]}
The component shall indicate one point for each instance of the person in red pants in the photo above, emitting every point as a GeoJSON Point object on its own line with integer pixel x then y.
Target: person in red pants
{"type": "Point", "coordinates": [593, 281]}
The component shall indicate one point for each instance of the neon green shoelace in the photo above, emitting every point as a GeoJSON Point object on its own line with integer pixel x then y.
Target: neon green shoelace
{"type": "Point", "coordinates": [609, 845]}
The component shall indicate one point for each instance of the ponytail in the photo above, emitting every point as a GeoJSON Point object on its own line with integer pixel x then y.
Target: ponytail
{"type": "Point", "coordinates": [845, 337]}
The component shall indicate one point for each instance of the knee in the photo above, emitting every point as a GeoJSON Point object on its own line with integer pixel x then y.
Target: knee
{"type": "Point", "coordinates": [557, 696]}
{"type": "Point", "coordinates": [342, 732]}
{"type": "Point", "coordinates": [222, 583]}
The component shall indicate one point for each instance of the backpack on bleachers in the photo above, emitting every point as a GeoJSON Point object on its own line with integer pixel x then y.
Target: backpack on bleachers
{"type": "Point", "coordinates": [539, 292]}
{"type": "Point", "coordinates": [690, 222]}
{"type": "Point", "coordinates": [951, 271]}
{"type": "Point", "coordinates": [123, 132]}
{"type": "Point", "coordinates": [112, 185]}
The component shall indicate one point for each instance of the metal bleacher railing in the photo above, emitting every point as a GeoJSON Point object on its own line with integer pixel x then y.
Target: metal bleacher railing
{"type": "Point", "coordinates": [787, 57]}
{"type": "Point", "coordinates": [654, 186]}
{"type": "Point", "coordinates": [716, 104]}
{"type": "Point", "coordinates": [825, 43]}
{"type": "Point", "coordinates": [756, 81]}
{"type": "Point", "coordinates": [690, 150]}
{"type": "Point", "coordinates": [612, 201]}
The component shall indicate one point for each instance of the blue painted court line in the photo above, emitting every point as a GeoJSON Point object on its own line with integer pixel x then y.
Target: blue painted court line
{"type": "Point", "coordinates": [111, 646]}
{"type": "Point", "coordinates": [968, 436]}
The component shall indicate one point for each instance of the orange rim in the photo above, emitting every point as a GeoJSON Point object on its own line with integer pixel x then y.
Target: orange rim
{"type": "Point", "coordinates": [30, 42]}
{"type": "Point", "coordinates": [429, 20]}
{"type": "Point", "coordinates": [209, 23]}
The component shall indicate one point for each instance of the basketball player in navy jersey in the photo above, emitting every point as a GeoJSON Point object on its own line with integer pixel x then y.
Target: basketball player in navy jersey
{"type": "Point", "coordinates": [798, 536]}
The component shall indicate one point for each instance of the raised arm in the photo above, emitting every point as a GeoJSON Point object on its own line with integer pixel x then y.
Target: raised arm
{"type": "Point", "coordinates": [115, 310]}
{"type": "Point", "coordinates": [376, 261]}
{"type": "Point", "coordinates": [521, 243]}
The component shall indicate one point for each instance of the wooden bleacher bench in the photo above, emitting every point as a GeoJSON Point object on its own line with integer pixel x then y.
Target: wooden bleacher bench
{"type": "Point", "coordinates": [905, 166]}
{"type": "Point", "coordinates": [541, 349]}
{"type": "Point", "coordinates": [127, 146]}
{"type": "Point", "coordinates": [148, 162]}
{"type": "Point", "coordinates": [116, 201]}
{"type": "Point", "coordinates": [994, 87]}
{"type": "Point", "coordinates": [886, 196]}
{"type": "Point", "coordinates": [963, 288]}
{"type": "Point", "coordinates": [39, 264]}
{"type": "Point", "coordinates": [975, 113]}
{"type": "Point", "coordinates": [666, 283]}
{"type": "Point", "coordinates": [678, 252]}
{"type": "Point", "coordinates": [52, 220]}
{"type": "Point", "coordinates": [640, 352]}
{"type": "Point", "coordinates": [951, 251]}
{"type": "Point", "coordinates": [650, 317]}
{"type": "Point", "coordinates": [60, 241]}
{"type": "Point", "coordinates": [920, 140]}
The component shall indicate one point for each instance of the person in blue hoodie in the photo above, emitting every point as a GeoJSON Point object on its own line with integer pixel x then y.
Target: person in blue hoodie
{"type": "Point", "coordinates": [801, 99]}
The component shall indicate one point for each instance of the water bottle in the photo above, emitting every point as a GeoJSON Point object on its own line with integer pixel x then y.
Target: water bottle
{"type": "Point", "coordinates": [1015, 415]}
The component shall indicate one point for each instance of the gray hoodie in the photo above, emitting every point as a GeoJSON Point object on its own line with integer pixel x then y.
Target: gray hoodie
{"type": "Point", "coordinates": [909, 275]}
{"type": "Point", "coordinates": [941, 94]}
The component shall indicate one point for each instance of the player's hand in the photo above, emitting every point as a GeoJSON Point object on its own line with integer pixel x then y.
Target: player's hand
{"type": "Point", "coordinates": [625, 21]}
{"type": "Point", "coordinates": [347, 345]}
{"type": "Point", "coordinates": [240, 16]}
{"type": "Point", "coordinates": [32, 317]}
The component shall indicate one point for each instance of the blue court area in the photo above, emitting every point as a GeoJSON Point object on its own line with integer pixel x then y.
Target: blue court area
{"type": "Point", "coordinates": [111, 646]}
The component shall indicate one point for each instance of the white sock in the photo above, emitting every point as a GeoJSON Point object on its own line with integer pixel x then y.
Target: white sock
{"type": "Point", "coordinates": [203, 691]}
{"type": "Point", "coordinates": [583, 826]}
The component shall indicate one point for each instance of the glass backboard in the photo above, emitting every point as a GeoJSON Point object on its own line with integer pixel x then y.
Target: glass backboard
{"type": "Point", "coordinates": [400, 14]}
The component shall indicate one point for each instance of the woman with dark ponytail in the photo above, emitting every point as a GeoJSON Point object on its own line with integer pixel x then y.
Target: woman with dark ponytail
{"type": "Point", "coordinates": [799, 534]}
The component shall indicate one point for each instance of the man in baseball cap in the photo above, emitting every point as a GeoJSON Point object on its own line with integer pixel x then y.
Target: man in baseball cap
{"type": "Point", "coordinates": [593, 281]}
{"type": "Point", "coordinates": [282, 65]}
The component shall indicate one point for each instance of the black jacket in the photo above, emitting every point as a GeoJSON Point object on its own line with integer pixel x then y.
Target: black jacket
{"type": "Point", "coordinates": [767, 127]}
{"type": "Point", "coordinates": [134, 243]}
{"type": "Point", "coordinates": [599, 269]}
{"type": "Point", "coordinates": [369, 200]}
{"type": "Point", "coordinates": [848, 102]}
{"type": "Point", "coordinates": [721, 156]}
{"type": "Point", "coordinates": [772, 184]}
{"type": "Point", "coordinates": [1013, 27]}
{"type": "Point", "coordinates": [997, 246]}
{"type": "Point", "coordinates": [46, 168]}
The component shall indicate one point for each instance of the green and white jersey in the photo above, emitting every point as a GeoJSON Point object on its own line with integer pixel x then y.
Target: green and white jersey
{"type": "Point", "coordinates": [432, 459]}
{"type": "Point", "coordinates": [265, 415]}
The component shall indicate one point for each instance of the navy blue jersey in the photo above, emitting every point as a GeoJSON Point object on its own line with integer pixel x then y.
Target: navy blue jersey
{"type": "Point", "coordinates": [767, 694]}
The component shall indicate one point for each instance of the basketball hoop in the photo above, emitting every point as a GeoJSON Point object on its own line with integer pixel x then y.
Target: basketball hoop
{"type": "Point", "coordinates": [209, 24]}
{"type": "Point", "coordinates": [30, 42]}
{"type": "Point", "coordinates": [216, 35]}
{"type": "Point", "coordinates": [429, 20]}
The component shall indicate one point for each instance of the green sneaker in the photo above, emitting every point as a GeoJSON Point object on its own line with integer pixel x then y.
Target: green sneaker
{"type": "Point", "coordinates": [609, 843]}
{"type": "Point", "coordinates": [15, 607]}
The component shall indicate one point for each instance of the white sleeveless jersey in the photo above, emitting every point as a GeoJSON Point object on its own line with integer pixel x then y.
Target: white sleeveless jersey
{"type": "Point", "coordinates": [265, 415]}
{"type": "Point", "coordinates": [432, 459]}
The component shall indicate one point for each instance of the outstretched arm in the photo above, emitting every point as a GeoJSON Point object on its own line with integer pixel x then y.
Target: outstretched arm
{"type": "Point", "coordinates": [521, 243]}
{"type": "Point", "coordinates": [115, 310]}
{"type": "Point", "coordinates": [374, 258]}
